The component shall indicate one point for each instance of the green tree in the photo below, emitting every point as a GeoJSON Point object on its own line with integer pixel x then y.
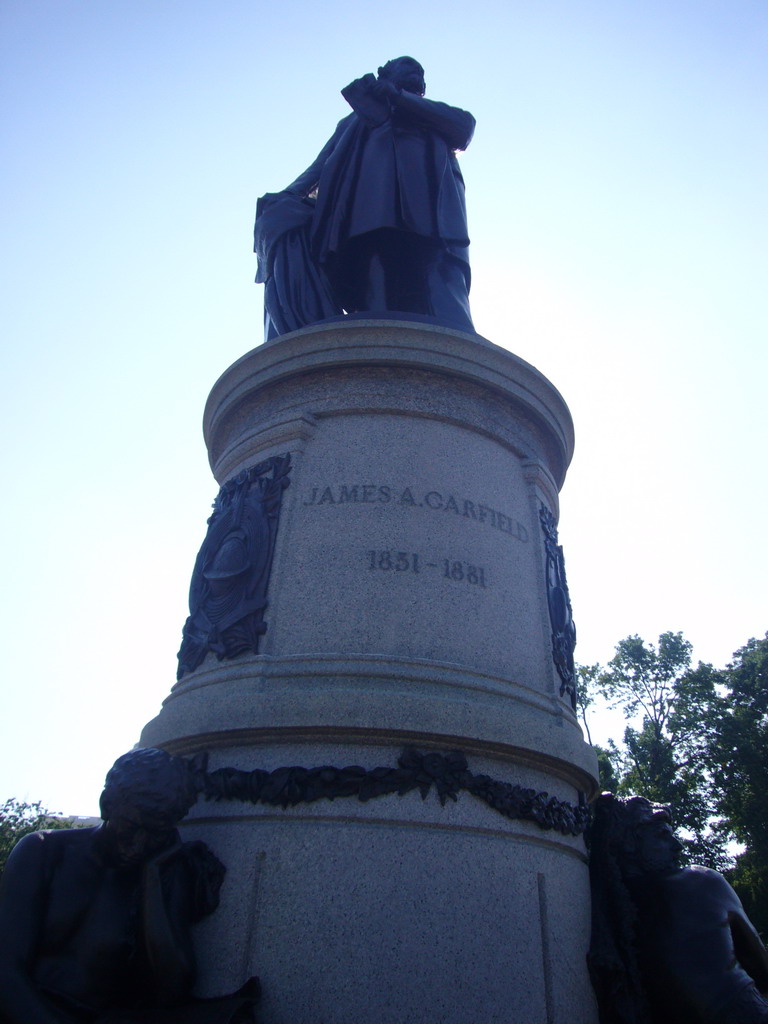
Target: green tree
{"type": "Point", "coordinates": [587, 690]}
{"type": "Point", "coordinates": [609, 781]}
{"type": "Point", "coordinates": [666, 758]}
{"type": "Point", "coordinates": [17, 819]}
{"type": "Point", "coordinates": [740, 771]}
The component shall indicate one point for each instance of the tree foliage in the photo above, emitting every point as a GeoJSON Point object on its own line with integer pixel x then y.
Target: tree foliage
{"type": "Point", "coordinates": [673, 709]}
{"type": "Point", "coordinates": [697, 740]}
{"type": "Point", "coordinates": [739, 760]}
{"type": "Point", "coordinates": [586, 692]}
{"type": "Point", "coordinates": [607, 777]}
{"type": "Point", "coordinates": [17, 819]}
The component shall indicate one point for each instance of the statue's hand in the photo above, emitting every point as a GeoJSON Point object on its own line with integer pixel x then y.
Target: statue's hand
{"type": "Point", "coordinates": [383, 89]}
{"type": "Point", "coordinates": [366, 82]}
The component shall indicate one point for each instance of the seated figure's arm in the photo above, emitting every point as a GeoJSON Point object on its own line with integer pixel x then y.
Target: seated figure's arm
{"type": "Point", "coordinates": [745, 944]}
{"type": "Point", "coordinates": [23, 897]}
{"type": "Point", "coordinates": [165, 928]}
{"type": "Point", "coordinates": [456, 126]}
{"type": "Point", "coordinates": [180, 886]}
{"type": "Point", "coordinates": [749, 948]}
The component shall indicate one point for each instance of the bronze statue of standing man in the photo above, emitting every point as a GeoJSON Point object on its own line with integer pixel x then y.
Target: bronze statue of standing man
{"type": "Point", "coordinates": [377, 223]}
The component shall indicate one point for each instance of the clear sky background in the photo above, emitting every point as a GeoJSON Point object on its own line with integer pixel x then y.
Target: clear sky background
{"type": "Point", "coordinates": [618, 213]}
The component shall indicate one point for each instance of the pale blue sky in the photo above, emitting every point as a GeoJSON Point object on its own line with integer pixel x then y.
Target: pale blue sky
{"type": "Point", "coordinates": [618, 214]}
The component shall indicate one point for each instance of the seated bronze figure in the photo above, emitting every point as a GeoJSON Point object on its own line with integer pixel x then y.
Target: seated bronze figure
{"type": "Point", "coordinates": [670, 945]}
{"type": "Point", "coordinates": [95, 922]}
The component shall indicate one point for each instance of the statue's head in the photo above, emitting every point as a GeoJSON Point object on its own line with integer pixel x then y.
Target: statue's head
{"type": "Point", "coordinates": [406, 73]}
{"type": "Point", "coordinates": [638, 833]}
{"type": "Point", "coordinates": [146, 793]}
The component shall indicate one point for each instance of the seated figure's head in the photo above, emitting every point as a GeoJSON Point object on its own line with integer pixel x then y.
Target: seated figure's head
{"type": "Point", "coordinates": [146, 793]}
{"type": "Point", "coordinates": [406, 73]}
{"type": "Point", "coordinates": [637, 833]}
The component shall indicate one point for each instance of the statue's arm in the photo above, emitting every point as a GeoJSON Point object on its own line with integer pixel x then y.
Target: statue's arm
{"type": "Point", "coordinates": [456, 126]}
{"type": "Point", "coordinates": [745, 944]}
{"type": "Point", "coordinates": [749, 948]}
{"type": "Point", "coordinates": [712, 912]}
{"type": "Point", "coordinates": [308, 180]}
{"type": "Point", "coordinates": [23, 896]}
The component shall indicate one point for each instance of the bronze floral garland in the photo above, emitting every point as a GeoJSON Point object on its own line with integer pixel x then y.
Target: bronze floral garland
{"type": "Point", "coordinates": [447, 773]}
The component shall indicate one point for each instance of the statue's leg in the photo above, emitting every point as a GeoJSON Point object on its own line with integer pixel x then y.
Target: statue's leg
{"type": "Point", "coordinates": [385, 271]}
{"type": "Point", "coordinates": [405, 258]}
{"type": "Point", "coordinates": [397, 271]}
{"type": "Point", "coordinates": [448, 285]}
{"type": "Point", "coordinates": [420, 276]}
{"type": "Point", "coordinates": [360, 275]}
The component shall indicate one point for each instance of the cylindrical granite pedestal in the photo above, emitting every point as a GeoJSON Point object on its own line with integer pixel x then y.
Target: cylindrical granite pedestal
{"type": "Point", "coordinates": [412, 591]}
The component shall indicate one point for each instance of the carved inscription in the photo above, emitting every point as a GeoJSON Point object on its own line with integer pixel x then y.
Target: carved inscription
{"type": "Point", "coordinates": [434, 501]}
{"type": "Point", "coordinates": [412, 562]}
{"type": "Point", "coordinates": [398, 561]}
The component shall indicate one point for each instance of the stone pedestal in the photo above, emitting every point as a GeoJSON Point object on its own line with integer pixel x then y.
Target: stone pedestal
{"type": "Point", "coordinates": [407, 608]}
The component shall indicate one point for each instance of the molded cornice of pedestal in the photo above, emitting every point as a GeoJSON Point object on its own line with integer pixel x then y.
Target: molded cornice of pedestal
{"type": "Point", "coordinates": [400, 345]}
{"type": "Point", "coordinates": [315, 698]}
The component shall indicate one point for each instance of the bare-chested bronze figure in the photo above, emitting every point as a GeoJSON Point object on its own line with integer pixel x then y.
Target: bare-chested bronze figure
{"type": "Point", "coordinates": [670, 945]}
